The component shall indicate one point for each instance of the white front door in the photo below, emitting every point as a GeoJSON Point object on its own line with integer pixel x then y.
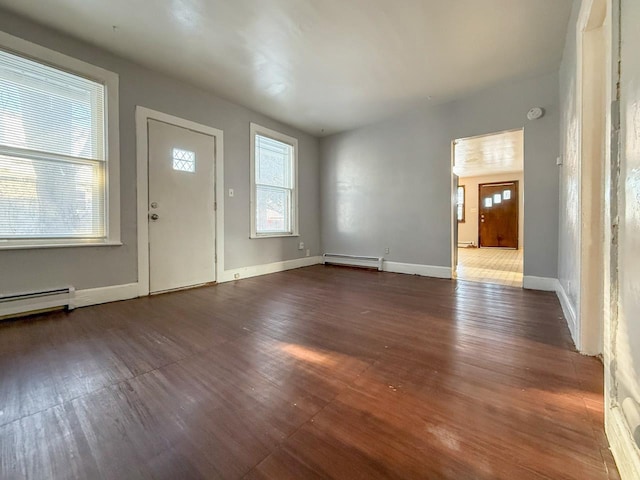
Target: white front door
{"type": "Point", "coordinates": [181, 207]}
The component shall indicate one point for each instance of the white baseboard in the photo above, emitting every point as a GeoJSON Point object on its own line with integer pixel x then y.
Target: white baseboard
{"type": "Point", "coordinates": [569, 312]}
{"type": "Point", "coordinates": [546, 284]}
{"type": "Point", "coordinates": [625, 452]}
{"type": "Point", "coordinates": [256, 270]}
{"type": "Point", "coordinates": [417, 269]}
{"type": "Point", "coordinates": [94, 296]}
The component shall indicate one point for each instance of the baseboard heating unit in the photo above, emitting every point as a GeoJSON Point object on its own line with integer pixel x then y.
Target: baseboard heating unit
{"type": "Point", "coordinates": [16, 304]}
{"type": "Point", "coordinates": [466, 245]}
{"type": "Point", "coordinates": [353, 260]}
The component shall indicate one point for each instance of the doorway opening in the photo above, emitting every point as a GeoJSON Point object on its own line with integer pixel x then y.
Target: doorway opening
{"type": "Point", "coordinates": [488, 177]}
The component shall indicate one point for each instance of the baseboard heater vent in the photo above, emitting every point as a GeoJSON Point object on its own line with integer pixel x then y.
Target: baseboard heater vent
{"type": "Point", "coordinates": [352, 260]}
{"type": "Point", "coordinates": [18, 304]}
{"type": "Point", "coordinates": [466, 245]}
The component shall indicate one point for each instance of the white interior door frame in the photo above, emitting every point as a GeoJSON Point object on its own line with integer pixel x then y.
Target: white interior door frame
{"type": "Point", "coordinates": [143, 115]}
{"type": "Point", "coordinates": [593, 48]}
{"type": "Point", "coordinates": [454, 203]}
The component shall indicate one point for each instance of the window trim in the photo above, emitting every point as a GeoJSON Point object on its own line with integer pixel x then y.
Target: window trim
{"type": "Point", "coordinates": [464, 203]}
{"type": "Point", "coordinates": [256, 129]}
{"type": "Point", "coordinates": [110, 80]}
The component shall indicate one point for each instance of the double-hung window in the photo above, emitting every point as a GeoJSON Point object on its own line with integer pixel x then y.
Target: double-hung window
{"type": "Point", "coordinates": [58, 149]}
{"type": "Point", "coordinates": [274, 194]}
{"type": "Point", "coordinates": [460, 204]}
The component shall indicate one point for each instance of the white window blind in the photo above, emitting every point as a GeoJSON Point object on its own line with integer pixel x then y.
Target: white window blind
{"type": "Point", "coordinates": [52, 152]}
{"type": "Point", "coordinates": [274, 174]}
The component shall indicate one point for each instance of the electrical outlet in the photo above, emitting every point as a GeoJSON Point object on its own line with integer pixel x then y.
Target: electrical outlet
{"type": "Point", "coordinates": [386, 250]}
{"type": "Point", "coordinates": [308, 252]}
{"type": "Point", "coordinates": [231, 192]}
{"type": "Point", "coordinates": [301, 246]}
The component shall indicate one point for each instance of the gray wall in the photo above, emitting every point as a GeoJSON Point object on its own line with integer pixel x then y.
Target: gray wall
{"type": "Point", "coordinates": [388, 184]}
{"type": "Point", "coordinates": [569, 234]}
{"type": "Point", "coordinates": [89, 267]}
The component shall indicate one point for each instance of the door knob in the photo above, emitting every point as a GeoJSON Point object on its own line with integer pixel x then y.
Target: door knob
{"type": "Point", "coordinates": [154, 216]}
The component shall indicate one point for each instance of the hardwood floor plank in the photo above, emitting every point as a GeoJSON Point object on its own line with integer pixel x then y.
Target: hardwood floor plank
{"type": "Point", "coordinates": [315, 373]}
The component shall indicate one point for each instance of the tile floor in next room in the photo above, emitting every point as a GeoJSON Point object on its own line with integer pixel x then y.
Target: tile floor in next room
{"type": "Point", "coordinates": [490, 265]}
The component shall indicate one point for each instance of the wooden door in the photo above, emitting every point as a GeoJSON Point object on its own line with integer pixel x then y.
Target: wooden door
{"type": "Point", "coordinates": [498, 214]}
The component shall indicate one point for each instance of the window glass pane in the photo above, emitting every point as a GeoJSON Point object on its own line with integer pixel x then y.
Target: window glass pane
{"type": "Point", "coordinates": [184, 160]}
{"type": "Point", "coordinates": [52, 152]}
{"type": "Point", "coordinates": [460, 203]}
{"type": "Point", "coordinates": [488, 202]}
{"type": "Point", "coordinates": [497, 198]}
{"type": "Point", "coordinates": [44, 109]}
{"type": "Point", "coordinates": [273, 210]}
{"type": "Point", "coordinates": [506, 195]}
{"type": "Point", "coordinates": [273, 162]}
{"type": "Point", "coordinates": [51, 199]}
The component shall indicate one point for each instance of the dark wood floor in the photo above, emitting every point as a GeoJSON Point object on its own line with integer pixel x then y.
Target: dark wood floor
{"type": "Point", "coordinates": [322, 372]}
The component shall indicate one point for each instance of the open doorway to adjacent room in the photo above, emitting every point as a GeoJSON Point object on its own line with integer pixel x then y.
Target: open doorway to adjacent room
{"type": "Point", "coordinates": [488, 178]}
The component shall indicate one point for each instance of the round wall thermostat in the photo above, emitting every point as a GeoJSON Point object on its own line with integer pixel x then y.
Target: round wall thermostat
{"type": "Point", "coordinates": [535, 113]}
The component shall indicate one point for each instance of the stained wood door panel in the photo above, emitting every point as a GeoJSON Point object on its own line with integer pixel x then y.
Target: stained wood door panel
{"type": "Point", "coordinates": [316, 373]}
{"type": "Point", "coordinates": [498, 214]}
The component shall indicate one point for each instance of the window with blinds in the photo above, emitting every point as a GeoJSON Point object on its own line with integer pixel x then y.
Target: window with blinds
{"type": "Point", "coordinates": [52, 152]}
{"type": "Point", "coordinates": [273, 173]}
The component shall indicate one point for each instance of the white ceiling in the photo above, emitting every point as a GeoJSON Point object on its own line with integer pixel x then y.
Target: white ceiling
{"type": "Point", "coordinates": [321, 65]}
{"type": "Point", "coordinates": [489, 154]}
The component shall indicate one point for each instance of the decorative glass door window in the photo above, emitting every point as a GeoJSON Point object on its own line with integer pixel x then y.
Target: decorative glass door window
{"type": "Point", "coordinates": [506, 195]}
{"type": "Point", "coordinates": [488, 202]}
{"type": "Point", "coordinates": [184, 160]}
{"type": "Point", "coordinates": [497, 198]}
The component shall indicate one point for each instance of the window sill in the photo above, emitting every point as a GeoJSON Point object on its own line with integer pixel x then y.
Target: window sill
{"type": "Point", "coordinates": [31, 245]}
{"type": "Point", "coordinates": [274, 235]}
